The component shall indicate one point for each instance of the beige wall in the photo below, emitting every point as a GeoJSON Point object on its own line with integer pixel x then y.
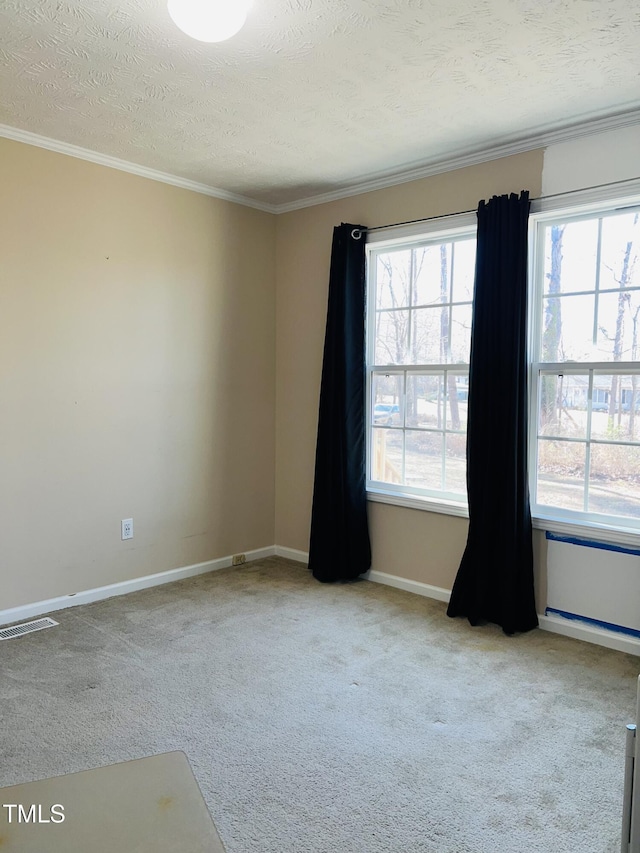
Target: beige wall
{"type": "Point", "coordinates": [413, 544]}
{"type": "Point", "coordinates": [150, 368]}
{"type": "Point", "coordinates": [137, 376]}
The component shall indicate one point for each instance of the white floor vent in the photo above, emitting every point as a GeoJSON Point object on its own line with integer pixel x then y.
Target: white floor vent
{"type": "Point", "coordinates": [26, 628]}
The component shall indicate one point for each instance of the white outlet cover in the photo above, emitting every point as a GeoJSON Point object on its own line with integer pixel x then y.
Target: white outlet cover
{"type": "Point", "coordinates": [127, 528]}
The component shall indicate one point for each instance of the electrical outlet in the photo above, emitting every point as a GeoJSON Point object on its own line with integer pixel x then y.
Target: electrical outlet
{"type": "Point", "coordinates": [238, 560]}
{"type": "Point", "coordinates": [127, 528]}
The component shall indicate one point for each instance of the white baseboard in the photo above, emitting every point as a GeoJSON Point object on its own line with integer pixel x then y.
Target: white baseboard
{"type": "Point", "coordinates": [416, 587]}
{"type": "Point", "coordinates": [554, 624]}
{"type": "Point", "coordinates": [27, 611]}
{"type": "Point", "coordinates": [292, 554]}
{"type": "Point", "coordinates": [590, 634]}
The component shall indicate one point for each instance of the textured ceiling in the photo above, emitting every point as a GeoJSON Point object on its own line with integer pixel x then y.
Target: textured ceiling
{"type": "Point", "coordinates": [313, 95]}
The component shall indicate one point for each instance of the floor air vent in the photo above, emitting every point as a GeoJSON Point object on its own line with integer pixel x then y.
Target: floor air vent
{"type": "Point", "coordinates": [26, 628]}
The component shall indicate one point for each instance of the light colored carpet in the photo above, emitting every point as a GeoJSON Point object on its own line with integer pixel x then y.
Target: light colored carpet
{"type": "Point", "coordinates": [331, 718]}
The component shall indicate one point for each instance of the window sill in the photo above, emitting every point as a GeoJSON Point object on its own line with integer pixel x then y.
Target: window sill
{"type": "Point", "coordinates": [591, 530]}
{"type": "Point", "coordinates": [418, 502]}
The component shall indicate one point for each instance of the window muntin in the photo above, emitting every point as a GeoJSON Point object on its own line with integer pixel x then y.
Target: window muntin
{"type": "Point", "coordinates": [419, 333]}
{"type": "Point", "coordinates": [586, 368]}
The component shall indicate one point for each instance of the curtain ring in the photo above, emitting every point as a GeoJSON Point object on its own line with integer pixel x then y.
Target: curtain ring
{"type": "Point", "coordinates": [356, 234]}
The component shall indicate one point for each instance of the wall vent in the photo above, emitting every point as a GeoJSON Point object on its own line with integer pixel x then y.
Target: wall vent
{"type": "Point", "coordinates": [26, 628]}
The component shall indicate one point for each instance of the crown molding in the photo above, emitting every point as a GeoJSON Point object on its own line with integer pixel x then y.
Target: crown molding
{"type": "Point", "coordinates": [29, 138]}
{"type": "Point", "coordinates": [626, 192]}
{"type": "Point", "coordinates": [368, 183]}
{"type": "Point", "coordinates": [417, 171]}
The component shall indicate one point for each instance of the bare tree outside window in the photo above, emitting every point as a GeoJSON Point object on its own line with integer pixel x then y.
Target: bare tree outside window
{"type": "Point", "coordinates": [628, 304]}
{"type": "Point", "coordinates": [551, 390]}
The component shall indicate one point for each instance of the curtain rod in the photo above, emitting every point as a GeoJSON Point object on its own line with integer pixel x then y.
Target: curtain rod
{"type": "Point", "coordinates": [358, 232]}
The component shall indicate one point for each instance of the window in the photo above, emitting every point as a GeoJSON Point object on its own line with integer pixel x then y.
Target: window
{"type": "Point", "coordinates": [586, 368]}
{"type": "Point", "coordinates": [584, 348]}
{"type": "Point", "coordinates": [420, 299]}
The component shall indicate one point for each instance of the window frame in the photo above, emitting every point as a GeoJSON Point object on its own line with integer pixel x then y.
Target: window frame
{"type": "Point", "coordinates": [436, 231]}
{"type": "Point", "coordinates": [571, 205]}
{"type": "Point", "coordinates": [555, 519]}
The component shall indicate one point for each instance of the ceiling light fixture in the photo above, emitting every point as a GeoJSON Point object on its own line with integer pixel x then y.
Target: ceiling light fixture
{"type": "Point", "coordinates": [209, 20]}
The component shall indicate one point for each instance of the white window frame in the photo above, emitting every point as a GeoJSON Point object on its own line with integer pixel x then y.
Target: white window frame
{"type": "Point", "coordinates": [571, 205]}
{"type": "Point", "coordinates": [439, 230]}
{"type": "Point", "coordinates": [571, 208]}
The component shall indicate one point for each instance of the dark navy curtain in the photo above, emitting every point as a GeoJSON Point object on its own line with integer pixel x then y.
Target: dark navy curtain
{"type": "Point", "coordinates": [495, 578]}
{"type": "Point", "coordinates": [339, 548]}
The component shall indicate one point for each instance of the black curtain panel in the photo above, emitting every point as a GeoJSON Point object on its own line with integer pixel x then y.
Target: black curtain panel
{"type": "Point", "coordinates": [495, 578]}
{"type": "Point", "coordinates": [339, 548]}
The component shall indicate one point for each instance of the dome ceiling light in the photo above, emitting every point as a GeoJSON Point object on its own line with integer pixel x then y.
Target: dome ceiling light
{"type": "Point", "coordinates": [209, 20]}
